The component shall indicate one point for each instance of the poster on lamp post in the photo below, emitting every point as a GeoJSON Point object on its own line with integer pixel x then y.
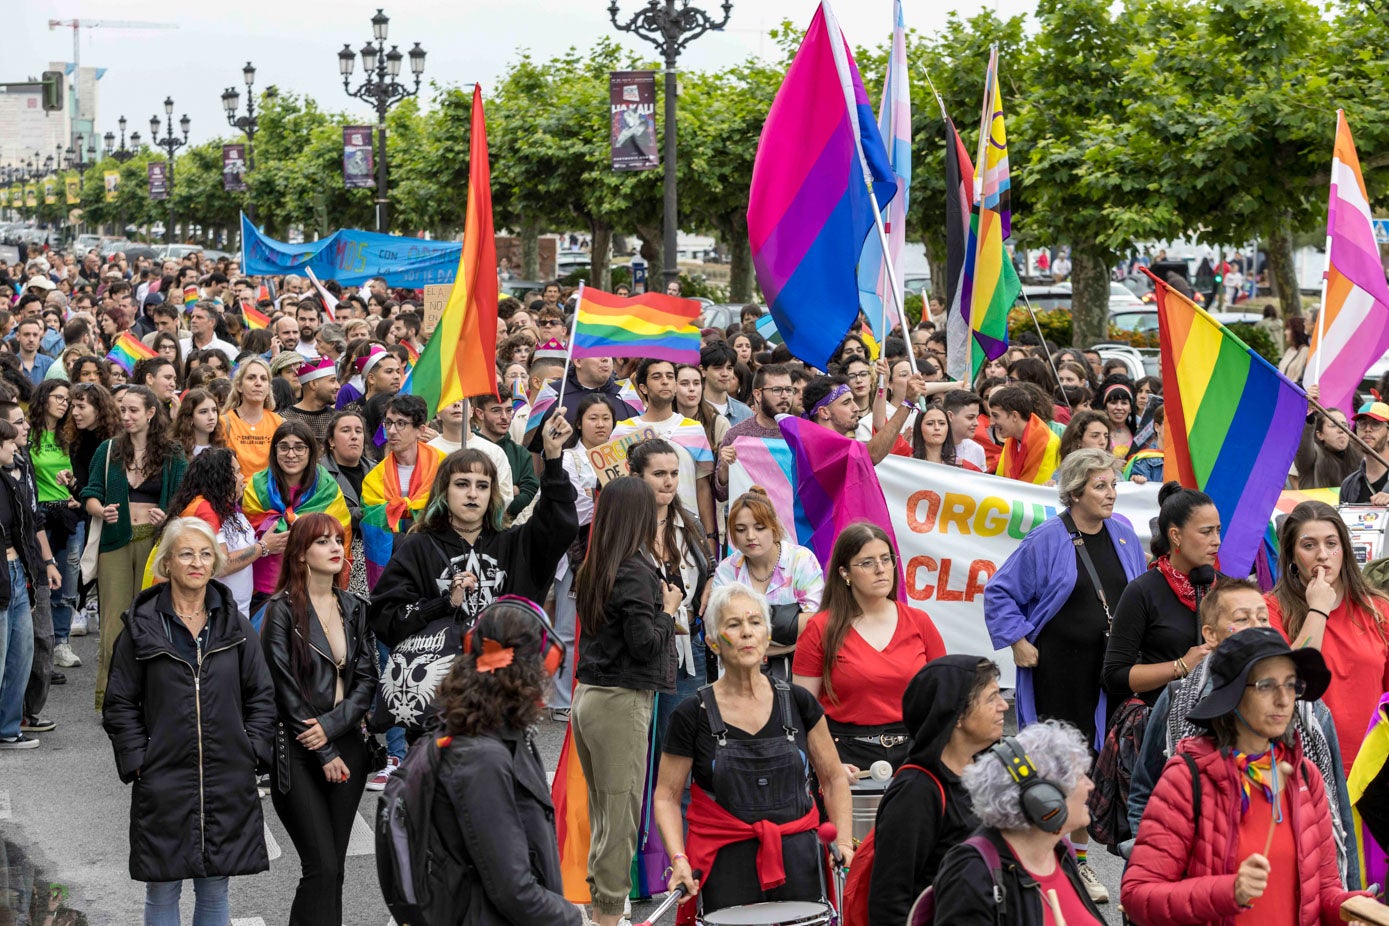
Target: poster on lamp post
{"type": "Point", "coordinates": [112, 179]}
{"type": "Point", "coordinates": [50, 191]}
{"type": "Point", "coordinates": [72, 185]}
{"type": "Point", "coordinates": [358, 168]}
{"type": "Point", "coordinates": [234, 168]}
{"type": "Point", "coordinates": [632, 99]}
{"type": "Point", "coordinates": [159, 180]}
{"type": "Point", "coordinates": [31, 195]}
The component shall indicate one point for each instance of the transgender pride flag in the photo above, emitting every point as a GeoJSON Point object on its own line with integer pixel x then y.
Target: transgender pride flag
{"type": "Point", "coordinates": [1353, 328]}
{"type": "Point", "coordinates": [809, 208]}
{"type": "Point", "coordinates": [895, 124]}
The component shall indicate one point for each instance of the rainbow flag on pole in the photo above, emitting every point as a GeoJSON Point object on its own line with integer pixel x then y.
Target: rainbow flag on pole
{"type": "Point", "coordinates": [809, 208]}
{"type": "Point", "coordinates": [1353, 328]}
{"type": "Point", "coordinates": [1233, 422]}
{"type": "Point", "coordinates": [647, 325]}
{"type": "Point", "coordinates": [128, 351]}
{"type": "Point", "coordinates": [989, 282]}
{"type": "Point", "coordinates": [460, 358]}
{"type": "Point", "coordinates": [255, 319]}
{"type": "Point", "coordinates": [895, 124]}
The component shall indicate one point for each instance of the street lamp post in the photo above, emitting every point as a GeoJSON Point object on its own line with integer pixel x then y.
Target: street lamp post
{"type": "Point", "coordinates": [381, 89]}
{"type": "Point", "coordinates": [231, 102]}
{"type": "Point", "coordinates": [170, 143]}
{"type": "Point", "coordinates": [121, 154]}
{"type": "Point", "coordinates": [670, 27]}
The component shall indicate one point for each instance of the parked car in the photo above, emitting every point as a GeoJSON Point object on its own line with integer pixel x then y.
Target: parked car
{"type": "Point", "coordinates": [1141, 361]}
{"type": "Point", "coordinates": [916, 283]}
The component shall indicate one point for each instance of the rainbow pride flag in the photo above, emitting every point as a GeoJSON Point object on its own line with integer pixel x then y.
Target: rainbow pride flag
{"type": "Point", "coordinates": [1033, 458]}
{"type": "Point", "coordinates": [518, 395]}
{"type": "Point", "coordinates": [809, 209]}
{"type": "Point", "coordinates": [190, 297]}
{"type": "Point", "coordinates": [1233, 422]}
{"type": "Point", "coordinates": [254, 317]}
{"type": "Point", "coordinates": [646, 325]}
{"type": "Point", "coordinates": [128, 351]}
{"type": "Point", "coordinates": [413, 354]}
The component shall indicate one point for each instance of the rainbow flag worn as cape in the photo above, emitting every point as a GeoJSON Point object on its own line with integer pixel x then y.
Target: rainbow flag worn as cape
{"type": "Point", "coordinates": [1033, 458]}
{"type": "Point", "coordinates": [269, 512]}
{"type": "Point", "coordinates": [1233, 422]}
{"type": "Point", "coordinates": [646, 325]}
{"type": "Point", "coordinates": [128, 351]}
{"type": "Point", "coordinates": [385, 504]}
{"type": "Point", "coordinates": [809, 207]}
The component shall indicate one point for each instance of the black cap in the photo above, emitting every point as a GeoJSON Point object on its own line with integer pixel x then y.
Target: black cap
{"type": "Point", "coordinates": [1235, 657]}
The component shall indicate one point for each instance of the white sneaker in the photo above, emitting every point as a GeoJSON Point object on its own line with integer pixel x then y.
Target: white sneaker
{"type": "Point", "coordinates": [64, 656]}
{"type": "Point", "coordinates": [79, 624]}
{"type": "Point", "coordinates": [1097, 891]}
{"type": "Point", "coordinates": [378, 781]}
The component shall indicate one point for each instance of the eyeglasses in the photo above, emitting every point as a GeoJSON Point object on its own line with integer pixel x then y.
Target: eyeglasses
{"type": "Point", "coordinates": [186, 557]}
{"type": "Point", "coordinates": [779, 390]}
{"type": "Point", "coordinates": [1267, 686]}
{"type": "Point", "coordinates": [59, 398]}
{"type": "Point", "coordinates": [293, 450]}
{"type": "Point", "coordinates": [396, 424]}
{"type": "Point", "coordinates": [870, 564]}
{"type": "Point", "coordinates": [860, 375]}
{"type": "Point", "coordinates": [550, 323]}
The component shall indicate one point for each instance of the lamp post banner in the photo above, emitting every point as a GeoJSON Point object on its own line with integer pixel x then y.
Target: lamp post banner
{"type": "Point", "coordinates": [159, 180]}
{"type": "Point", "coordinates": [632, 95]}
{"type": "Point", "coordinates": [352, 257]}
{"type": "Point", "coordinates": [50, 191]}
{"type": "Point", "coordinates": [358, 165]}
{"type": "Point", "coordinates": [234, 168]}
{"type": "Point", "coordinates": [72, 185]}
{"type": "Point", "coordinates": [112, 179]}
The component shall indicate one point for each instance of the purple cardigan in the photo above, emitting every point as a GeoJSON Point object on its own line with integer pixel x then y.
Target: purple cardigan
{"type": "Point", "coordinates": [1032, 585]}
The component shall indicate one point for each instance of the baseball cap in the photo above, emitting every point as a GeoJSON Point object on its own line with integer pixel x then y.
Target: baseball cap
{"type": "Point", "coordinates": [1379, 411]}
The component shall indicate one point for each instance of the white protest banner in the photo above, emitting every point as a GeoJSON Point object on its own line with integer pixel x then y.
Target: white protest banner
{"type": "Point", "coordinates": [955, 528]}
{"type": "Point", "coordinates": [610, 460]}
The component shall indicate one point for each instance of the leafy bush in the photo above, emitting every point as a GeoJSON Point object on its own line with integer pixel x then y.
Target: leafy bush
{"type": "Point", "coordinates": [914, 305]}
{"type": "Point", "coordinates": [1257, 338]}
{"type": "Point", "coordinates": [1133, 338]}
{"type": "Point", "coordinates": [1055, 324]}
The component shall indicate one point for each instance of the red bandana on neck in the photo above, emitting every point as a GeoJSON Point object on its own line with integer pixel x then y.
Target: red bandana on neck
{"type": "Point", "coordinates": [1181, 586]}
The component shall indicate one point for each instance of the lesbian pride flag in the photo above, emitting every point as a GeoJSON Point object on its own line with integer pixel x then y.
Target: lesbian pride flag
{"type": "Point", "coordinates": [1353, 328]}
{"type": "Point", "coordinates": [809, 209]}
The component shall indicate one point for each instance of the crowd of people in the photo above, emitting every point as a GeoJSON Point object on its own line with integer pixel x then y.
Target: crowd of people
{"type": "Point", "coordinates": [297, 572]}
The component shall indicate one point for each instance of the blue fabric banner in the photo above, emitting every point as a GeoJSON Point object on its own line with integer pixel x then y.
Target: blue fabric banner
{"type": "Point", "coordinates": [352, 257]}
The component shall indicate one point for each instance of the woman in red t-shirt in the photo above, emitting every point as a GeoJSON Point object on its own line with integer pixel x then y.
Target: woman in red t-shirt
{"type": "Point", "coordinates": [1322, 600]}
{"type": "Point", "coordinates": [858, 654]}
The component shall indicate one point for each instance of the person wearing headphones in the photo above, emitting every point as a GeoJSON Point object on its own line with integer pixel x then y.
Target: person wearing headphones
{"type": "Point", "coordinates": [1028, 791]}
{"type": "Point", "coordinates": [1238, 827]}
{"type": "Point", "coordinates": [496, 819]}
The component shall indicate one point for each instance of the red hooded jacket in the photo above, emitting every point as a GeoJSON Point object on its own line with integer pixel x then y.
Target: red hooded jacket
{"type": "Point", "coordinates": [1182, 870]}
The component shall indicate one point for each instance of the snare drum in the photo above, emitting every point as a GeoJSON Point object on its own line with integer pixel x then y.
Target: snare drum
{"type": "Point", "coordinates": [783, 913]}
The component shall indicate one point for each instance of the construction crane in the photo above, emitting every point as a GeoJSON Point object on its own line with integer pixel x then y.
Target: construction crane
{"type": "Point", "coordinates": [77, 25]}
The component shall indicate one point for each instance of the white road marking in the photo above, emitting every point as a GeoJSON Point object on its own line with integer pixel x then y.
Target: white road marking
{"type": "Point", "coordinates": [4, 805]}
{"type": "Point", "coordinates": [363, 838]}
{"type": "Point", "coordinates": [272, 849]}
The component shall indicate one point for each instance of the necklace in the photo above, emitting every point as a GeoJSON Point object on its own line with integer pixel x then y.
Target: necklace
{"type": "Point", "coordinates": [768, 577]}
{"type": "Point", "coordinates": [191, 618]}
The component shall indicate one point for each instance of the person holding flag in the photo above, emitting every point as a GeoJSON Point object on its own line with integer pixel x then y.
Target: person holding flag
{"type": "Point", "coordinates": [1031, 450]}
{"type": "Point", "coordinates": [396, 490]}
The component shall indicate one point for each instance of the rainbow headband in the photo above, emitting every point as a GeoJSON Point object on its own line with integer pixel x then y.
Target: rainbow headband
{"type": "Point", "coordinates": [833, 396]}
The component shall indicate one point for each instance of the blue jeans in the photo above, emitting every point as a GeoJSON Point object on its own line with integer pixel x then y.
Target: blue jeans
{"type": "Point", "coordinates": [685, 686]}
{"type": "Point", "coordinates": [16, 652]}
{"type": "Point", "coordinates": [65, 600]}
{"type": "Point", "coordinates": [210, 906]}
{"type": "Point", "coordinates": [395, 736]}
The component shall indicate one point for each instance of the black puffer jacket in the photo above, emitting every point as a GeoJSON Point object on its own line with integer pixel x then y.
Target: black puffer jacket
{"type": "Point", "coordinates": [192, 738]}
{"type": "Point", "coordinates": [495, 817]}
{"type": "Point", "coordinates": [635, 646]}
{"type": "Point", "coordinates": [965, 894]}
{"type": "Point", "coordinates": [277, 638]}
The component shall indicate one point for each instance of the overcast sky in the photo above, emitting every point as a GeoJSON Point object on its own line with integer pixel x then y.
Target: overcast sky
{"type": "Point", "coordinates": [294, 43]}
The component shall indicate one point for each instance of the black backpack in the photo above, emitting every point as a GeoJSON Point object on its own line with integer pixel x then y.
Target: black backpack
{"type": "Point", "coordinates": [423, 884]}
{"type": "Point", "coordinates": [1109, 802]}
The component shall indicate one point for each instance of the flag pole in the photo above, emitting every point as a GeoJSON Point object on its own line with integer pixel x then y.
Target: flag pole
{"type": "Point", "coordinates": [1326, 266]}
{"type": "Point", "coordinates": [569, 348]}
{"type": "Point", "coordinates": [891, 281]}
{"type": "Point", "coordinates": [1353, 436]}
{"type": "Point", "coordinates": [936, 93]}
{"type": "Point", "coordinates": [1043, 338]}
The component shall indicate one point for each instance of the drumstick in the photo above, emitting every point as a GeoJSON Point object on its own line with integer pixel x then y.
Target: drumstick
{"type": "Point", "coordinates": [1055, 905]}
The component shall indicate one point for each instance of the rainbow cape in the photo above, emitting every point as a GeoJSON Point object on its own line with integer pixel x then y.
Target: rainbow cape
{"type": "Point", "coordinates": [646, 325]}
{"type": "Point", "coordinates": [128, 351]}
{"type": "Point", "coordinates": [385, 503]}
{"type": "Point", "coordinates": [1233, 422]}
{"type": "Point", "coordinates": [1033, 458]}
{"type": "Point", "coordinates": [268, 512]}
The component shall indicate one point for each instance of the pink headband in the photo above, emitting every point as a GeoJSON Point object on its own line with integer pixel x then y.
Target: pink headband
{"type": "Point", "coordinates": [833, 396]}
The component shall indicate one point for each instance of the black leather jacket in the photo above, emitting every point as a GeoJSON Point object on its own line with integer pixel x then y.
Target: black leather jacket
{"type": "Point", "coordinates": [315, 698]}
{"type": "Point", "coordinates": [635, 646]}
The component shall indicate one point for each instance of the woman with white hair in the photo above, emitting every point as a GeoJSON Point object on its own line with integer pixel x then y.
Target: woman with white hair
{"type": "Point", "coordinates": [1027, 792]}
{"type": "Point", "coordinates": [746, 739]}
{"type": "Point", "coordinates": [190, 710]}
{"type": "Point", "coordinates": [1052, 600]}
